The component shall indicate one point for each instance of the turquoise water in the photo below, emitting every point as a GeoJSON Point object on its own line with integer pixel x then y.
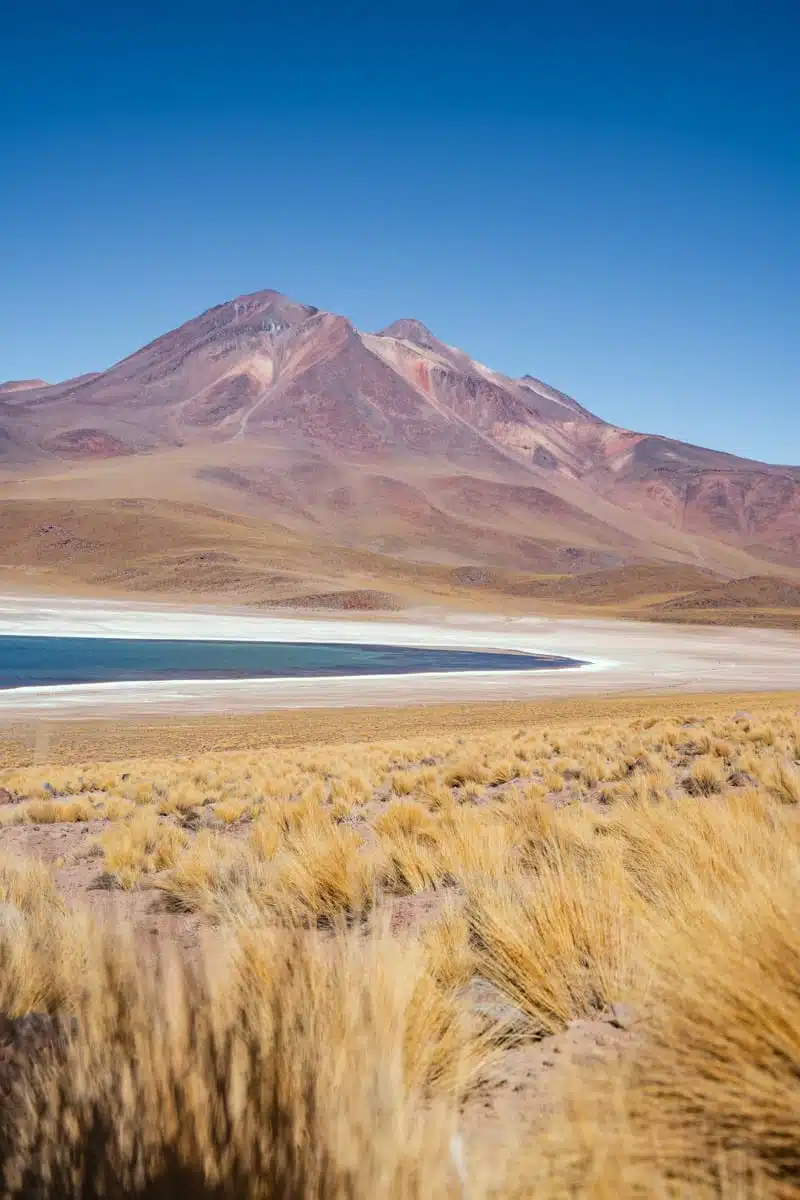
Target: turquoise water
{"type": "Point", "coordinates": [46, 661]}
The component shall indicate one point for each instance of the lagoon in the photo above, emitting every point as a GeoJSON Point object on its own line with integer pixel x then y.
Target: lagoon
{"type": "Point", "coordinates": [45, 661]}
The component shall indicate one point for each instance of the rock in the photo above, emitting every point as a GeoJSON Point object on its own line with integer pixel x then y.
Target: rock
{"type": "Point", "coordinates": [742, 716]}
{"type": "Point", "coordinates": [623, 1016]}
{"type": "Point", "coordinates": [507, 1023]}
{"type": "Point", "coordinates": [741, 779]}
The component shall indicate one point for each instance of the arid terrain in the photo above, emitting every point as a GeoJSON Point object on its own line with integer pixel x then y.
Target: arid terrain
{"type": "Point", "coordinates": [552, 955]}
{"type": "Point", "coordinates": [443, 938]}
{"type": "Point", "coordinates": [270, 453]}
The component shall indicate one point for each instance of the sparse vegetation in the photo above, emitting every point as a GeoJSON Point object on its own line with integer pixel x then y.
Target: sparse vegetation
{"type": "Point", "coordinates": [554, 961]}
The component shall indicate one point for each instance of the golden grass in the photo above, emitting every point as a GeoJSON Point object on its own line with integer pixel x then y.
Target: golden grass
{"type": "Point", "coordinates": [140, 846]}
{"type": "Point", "coordinates": [99, 742]}
{"type": "Point", "coordinates": [707, 776]}
{"type": "Point", "coordinates": [784, 781]}
{"type": "Point", "coordinates": [316, 873]}
{"type": "Point", "coordinates": [42, 948]}
{"type": "Point", "coordinates": [326, 1042]}
{"type": "Point", "coordinates": [561, 944]}
{"type": "Point", "coordinates": [293, 1077]}
{"type": "Point", "coordinates": [721, 1065]}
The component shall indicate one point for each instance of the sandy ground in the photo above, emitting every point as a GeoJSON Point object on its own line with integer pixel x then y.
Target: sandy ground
{"type": "Point", "coordinates": [620, 656]}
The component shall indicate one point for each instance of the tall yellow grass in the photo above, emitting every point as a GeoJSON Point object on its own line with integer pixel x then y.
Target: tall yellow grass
{"type": "Point", "coordinates": [325, 1045]}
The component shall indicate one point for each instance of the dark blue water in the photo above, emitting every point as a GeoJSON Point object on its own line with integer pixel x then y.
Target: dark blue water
{"type": "Point", "coordinates": [30, 661]}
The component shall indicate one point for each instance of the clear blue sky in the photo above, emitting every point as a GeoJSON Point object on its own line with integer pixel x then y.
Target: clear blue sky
{"type": "Point", "coordinates": [603, 194]}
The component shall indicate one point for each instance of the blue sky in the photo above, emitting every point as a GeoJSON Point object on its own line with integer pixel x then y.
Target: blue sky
{"type": "Point", "coordinates": [605, 195]}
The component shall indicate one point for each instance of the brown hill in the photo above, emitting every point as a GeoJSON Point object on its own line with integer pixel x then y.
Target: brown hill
{"type": "Point", "coordinates": [616, 586]}
{"type": "Point", "coordinates": [762, 600]}
{"type": "Point", "coordinates": [158, 548]}
{"type": "Point", "coordinates": [168, 548]}
{"type": "Point", "coordinates": [758, 591]}
{"type": "Point", "coordinates": [393, 443]}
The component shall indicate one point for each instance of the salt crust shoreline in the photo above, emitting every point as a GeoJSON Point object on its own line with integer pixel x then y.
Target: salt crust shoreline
{"type": "Point", "coordinates": [617, 656]}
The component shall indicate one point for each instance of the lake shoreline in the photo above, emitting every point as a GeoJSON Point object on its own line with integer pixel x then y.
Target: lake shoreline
{"type": "Point", "coordinates": [619, 656]}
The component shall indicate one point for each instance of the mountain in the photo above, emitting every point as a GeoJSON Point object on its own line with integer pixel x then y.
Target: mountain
{"type": "Point", "coordinates": [391, 442]}
{"type": "Point", "coordinates": [21, 385]}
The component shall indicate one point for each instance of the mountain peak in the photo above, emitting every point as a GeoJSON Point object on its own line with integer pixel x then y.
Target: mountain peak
{"type": "Point", "coordinates": [270, 301]}
{"type": "Point", "coordinates": [396, 440]}
{"type": "Point", "coordinates": [22, 385]}
{"type": "Point", "coordinates": [411, 330]}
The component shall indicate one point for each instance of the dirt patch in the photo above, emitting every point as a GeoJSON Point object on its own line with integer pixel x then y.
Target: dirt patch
{"type": "Point", "coordinates": [80, 880]}
{"type": "Point", "coordinates": [51, 842]}
{"type": "Point", "coordinates": [523, 1081]}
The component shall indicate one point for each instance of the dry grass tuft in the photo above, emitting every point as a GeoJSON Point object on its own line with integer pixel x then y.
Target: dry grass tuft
{"type": "Point", "coordinates": [376, 915]}
{"type": "Point", "coordinates": [784, 781]}
{"type": "Point", "coordinates": [42, 947]}
{"type": "Point", "coordinates": [560, 945]}
{"type": "Point", "coordinates": [295, 1077]}
{"type": "Point", "coordinates": [720, 1070]}
{"type": "Point", "coordinates": [140, 846]}
{"type": "Point", "coordinates": [706, 777]}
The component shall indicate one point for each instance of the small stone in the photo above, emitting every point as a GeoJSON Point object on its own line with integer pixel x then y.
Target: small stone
{"type": "Point", "coordinates": [741, 779]}
{"type": "Point", "coordinates": [506, 1022]}
{"type": "Point", "coordinates": [742, 716]}
{"type": "Point", "coordinates": [623, 1016]}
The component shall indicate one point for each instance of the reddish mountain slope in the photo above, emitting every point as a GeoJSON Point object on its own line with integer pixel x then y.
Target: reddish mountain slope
{"type": "Point", "coordinates": [392, 441]}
